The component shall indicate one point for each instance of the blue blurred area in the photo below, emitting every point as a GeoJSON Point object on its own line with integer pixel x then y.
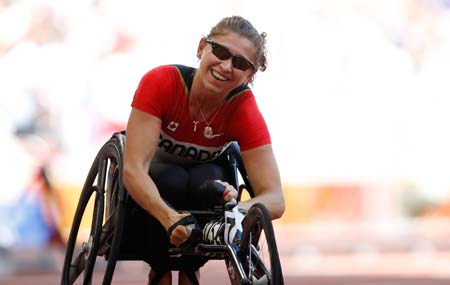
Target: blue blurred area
{"type": "Point", "coordinates": [30, 226]}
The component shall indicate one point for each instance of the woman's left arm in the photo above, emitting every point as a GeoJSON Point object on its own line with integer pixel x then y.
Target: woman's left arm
{"type": "Point", "coordinates": [264, 176]}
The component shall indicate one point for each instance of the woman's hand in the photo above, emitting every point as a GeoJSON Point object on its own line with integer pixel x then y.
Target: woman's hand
{"type": "Point", "coordinates": [181, 233]}
{"type": "Point", "coordinates": [229, 193]}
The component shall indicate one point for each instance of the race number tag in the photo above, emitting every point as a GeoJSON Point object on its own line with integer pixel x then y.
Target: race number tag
{"type": "Point", "coordinates": [233, 225]}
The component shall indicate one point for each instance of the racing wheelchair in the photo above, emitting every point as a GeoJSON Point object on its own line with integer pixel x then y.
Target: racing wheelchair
{"type": "Point", "coordinates": [97, 232]}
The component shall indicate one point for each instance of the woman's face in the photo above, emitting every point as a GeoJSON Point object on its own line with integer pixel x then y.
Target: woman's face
{"type": "Point", "coordinates": [220, 76]}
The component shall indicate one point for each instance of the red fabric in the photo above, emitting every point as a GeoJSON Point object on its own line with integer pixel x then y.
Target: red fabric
{"type": "Point", "coordinates": [163, 93]}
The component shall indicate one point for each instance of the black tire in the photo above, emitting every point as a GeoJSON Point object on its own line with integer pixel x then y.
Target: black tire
{"type": "Point", "coordinates": [99, 199]}
{"type": "Point", "coordinates": [258, 251]}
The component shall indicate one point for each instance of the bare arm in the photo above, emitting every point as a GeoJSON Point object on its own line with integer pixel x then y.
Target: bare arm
{"type": "Point", "coordinates": [141, 142]}
{"type": "Point", "coordinates": [264, 176]}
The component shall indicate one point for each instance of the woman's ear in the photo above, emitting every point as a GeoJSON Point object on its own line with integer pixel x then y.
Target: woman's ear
{"type": "Point", "coordinates": [250, 78]}
{"type": "Point", "coordinates": [201, 46]}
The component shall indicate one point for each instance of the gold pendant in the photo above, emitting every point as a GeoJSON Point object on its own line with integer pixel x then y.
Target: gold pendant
{"type": "Point", "coordinates": [208, 132]}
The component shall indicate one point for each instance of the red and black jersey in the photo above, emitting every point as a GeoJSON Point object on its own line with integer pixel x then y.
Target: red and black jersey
{"type": "Point", "coordinates": [164, 92]}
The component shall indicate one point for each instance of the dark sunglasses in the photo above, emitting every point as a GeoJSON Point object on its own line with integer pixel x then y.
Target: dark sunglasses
{"type": "Point", "coordinates": [223, 53]}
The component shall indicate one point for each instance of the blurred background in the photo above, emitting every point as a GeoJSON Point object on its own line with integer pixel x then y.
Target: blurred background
{"type": "Point", "coordinates": [355, 97]}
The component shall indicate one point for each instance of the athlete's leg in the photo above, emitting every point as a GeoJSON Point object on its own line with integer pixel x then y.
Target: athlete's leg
{"type": "Point", "coordinates": [184, 280]}
{"type": "Point", "coordinates": [201, 172]}
{"type": "Point", "coordinates": [197, 176]}
{"type": "Point", "coordinates": [175, 184]}
{"type": "Point", "coordinates": [166, 279]}
{"type": "Point", "coordinates": [171, 181]}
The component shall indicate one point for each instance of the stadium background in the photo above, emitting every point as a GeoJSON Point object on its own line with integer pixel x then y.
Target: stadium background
{"type": "Point", "coordinates": [355, 96]}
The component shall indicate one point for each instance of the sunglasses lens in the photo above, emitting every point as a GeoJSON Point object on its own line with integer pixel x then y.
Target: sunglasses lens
{"type": "Point", "coordinates": [221, 52]}
{"type": "Point", "coordinates": [241, 63]}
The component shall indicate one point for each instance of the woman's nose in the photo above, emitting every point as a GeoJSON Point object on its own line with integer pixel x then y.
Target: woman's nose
{"type": "Point", "coordinates": [227, 64]}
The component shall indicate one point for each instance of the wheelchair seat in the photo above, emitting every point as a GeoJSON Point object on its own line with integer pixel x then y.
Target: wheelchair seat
{"type": "Point", "coordinates": [105, 202]}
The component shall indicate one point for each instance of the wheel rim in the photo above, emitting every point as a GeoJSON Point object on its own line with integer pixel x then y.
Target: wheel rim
{"type": "Point", "coordinates": [81, 248]}
{"type": "Point", "coordinates": [90, 248]}
{"type": "Point", "coordinates": [259, 253]}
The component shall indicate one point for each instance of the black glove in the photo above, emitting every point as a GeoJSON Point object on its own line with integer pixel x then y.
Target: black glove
{"type": "Point", "coordinates": [208, 196]}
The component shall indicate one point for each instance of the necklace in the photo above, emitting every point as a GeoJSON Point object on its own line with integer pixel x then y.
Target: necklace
{"type": "Point", "coordinates": [208, 131]}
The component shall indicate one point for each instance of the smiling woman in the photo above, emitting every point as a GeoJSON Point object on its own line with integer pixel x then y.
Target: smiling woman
{"type": "Point", "coordinates": [180, 120]}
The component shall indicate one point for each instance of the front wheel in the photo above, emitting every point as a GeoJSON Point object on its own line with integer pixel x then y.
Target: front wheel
{"type": "Point", "coordinates": [258, 250]}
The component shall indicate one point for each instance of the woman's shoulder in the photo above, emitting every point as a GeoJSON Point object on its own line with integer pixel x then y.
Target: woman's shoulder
{"type": "Point", "coordinates": [163, 74]}
{"type": "Point", "coordinates": [174, 71]}
{"type": "Point", "coordinates": [239, 94]}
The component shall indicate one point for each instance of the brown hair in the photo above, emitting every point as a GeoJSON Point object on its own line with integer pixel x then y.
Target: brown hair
{"type": "Point", "coordinates": [244, 28]}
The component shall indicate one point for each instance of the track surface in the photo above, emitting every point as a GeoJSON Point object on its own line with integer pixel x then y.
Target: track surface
{"type": "Point", "coordinates": [304, 262]}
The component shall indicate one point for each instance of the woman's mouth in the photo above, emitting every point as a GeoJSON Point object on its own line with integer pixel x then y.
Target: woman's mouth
{"type": "Point", "coordinates": [218, 76]}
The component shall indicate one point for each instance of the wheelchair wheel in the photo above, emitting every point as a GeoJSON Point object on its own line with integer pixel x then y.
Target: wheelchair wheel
{"type": "Point", "coordinates": [258, 250]}
{"type": "Point", "coordinates": [96, 227]}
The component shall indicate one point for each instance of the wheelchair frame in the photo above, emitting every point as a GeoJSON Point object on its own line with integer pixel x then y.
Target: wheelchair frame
{"type": "Point", "coordinates": [104, 188]}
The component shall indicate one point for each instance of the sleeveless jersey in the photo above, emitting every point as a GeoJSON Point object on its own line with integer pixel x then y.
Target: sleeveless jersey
{"type": "Point", "coordinates": [164, 92]}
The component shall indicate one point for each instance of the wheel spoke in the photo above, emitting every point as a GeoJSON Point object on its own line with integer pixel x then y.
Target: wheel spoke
{"type": "Point", "coordinates": [261, 265]}
{"type": "Point", "coordinates": [77, 267]}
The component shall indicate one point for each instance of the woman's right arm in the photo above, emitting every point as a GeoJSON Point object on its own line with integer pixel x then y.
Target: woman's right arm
{"type": "Point", "coordinates": [142, 137]}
